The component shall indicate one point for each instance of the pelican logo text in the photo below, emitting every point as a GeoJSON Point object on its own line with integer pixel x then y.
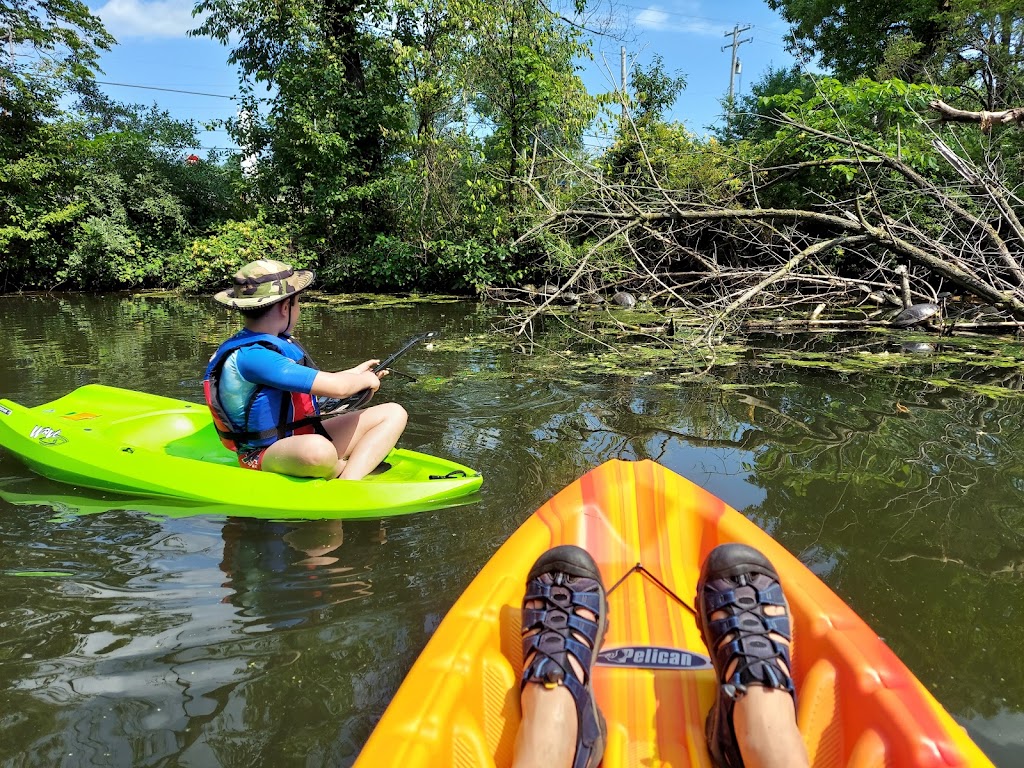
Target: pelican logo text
{"type": "Point", "coordinates": [652, 657]}
{"type": "Point", "coordinates": [47, 435]}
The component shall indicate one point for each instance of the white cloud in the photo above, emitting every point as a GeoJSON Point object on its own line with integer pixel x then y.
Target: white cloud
{"type": "Point", "coordinates": [136, 18]}
{"type": "Point", "coordinates": [652, 18]}
{"type": "Point", "coordinates": [657, 20]}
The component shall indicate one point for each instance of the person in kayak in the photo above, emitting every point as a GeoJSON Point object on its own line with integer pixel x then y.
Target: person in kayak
{"type": "Point", "coordinates": [744, 620]}
{"type": "Point", "coordinates": [261, 387]}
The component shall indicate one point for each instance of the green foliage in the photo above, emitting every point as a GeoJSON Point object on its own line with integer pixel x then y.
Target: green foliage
{"type": "Point", "coordinates": [976, 45]}
{"type": "Point", "coordinates": [750, 115]}
{"type": "Point", "coordinates": [209, 262]}
{"type": "Point", "coordinates": [654, 90]}
{"type": "Point", "coordinates": [336, 120]}
{"type": "Point", "coordinates": [523, 74]}
{"type": "Point", "coordinates": [36, 212]}
{"type": "Point", "coordinates": [103, 201]}
{"type": "Point", "coordinates": [473, 264]}
{"type": "Point", "coordinates": [389, 263]}
{"type": "Point", "coordinates": [99, 196]}
{"type": "Point", "coordinates": [886, 115]}
{"type": "Point", "coordinates": [646, 148]}
{"type": "Point", "coordinates": [62, 42]}
{"type": "Point", "coordinates": [64, 39]}
{"type": "Point", "coordinates": [673, 158]}
{"type": "Point", "coordinates": [467, 265]}
{"type": "Point", "coordinates": [982, 52]}
{"type": "Point", "coordinates": [851, 39]}
{"type": "Point", "coordinates": [372, 146]}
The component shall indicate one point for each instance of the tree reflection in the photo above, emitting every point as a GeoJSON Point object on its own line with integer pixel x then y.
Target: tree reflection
{"type": "Point", "coordinates": [908, 503]}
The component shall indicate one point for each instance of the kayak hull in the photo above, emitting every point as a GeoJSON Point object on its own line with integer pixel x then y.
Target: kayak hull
{"type": "Point", "coordinates": [132, 442]}
{"type": "Point", "coordinates": [859, 705]}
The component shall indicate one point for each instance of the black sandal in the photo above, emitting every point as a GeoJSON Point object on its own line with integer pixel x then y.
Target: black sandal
{"type": "Point", "coordinates": [565, 579]}
{"type": "Point", "coordinates": [741, 581]}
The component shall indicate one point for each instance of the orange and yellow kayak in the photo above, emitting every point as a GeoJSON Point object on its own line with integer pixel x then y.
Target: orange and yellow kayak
{"type": "Point", "coordinates": [859, 705]}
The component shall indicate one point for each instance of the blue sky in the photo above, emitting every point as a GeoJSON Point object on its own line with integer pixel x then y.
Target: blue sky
{"type": "Point", "coordinates": [154, 51]}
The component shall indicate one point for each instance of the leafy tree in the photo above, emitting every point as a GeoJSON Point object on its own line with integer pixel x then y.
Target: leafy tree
{"type": "Point", "coordinates": [750, 117]}
{"type": "Point", "coordinates": [886, 115]}
{"type": "Point", "coordinates": [63, 40]}
{"type": "Point", "coordinates": [525, 86]}
{"type": "Point", "coordinates": [336, 118]}
{"type": "Point", "coordinates": [654, 90]}
{"type": "Point", "coordinates": [210, 261]}
{"type": "Point", "coordinates": [974, 44]}
{"type": "Point", "coordinates": [983, 52]}
{"type": "Point", "coordinates": [37, 214]}
{"type": "Point", "coordinates": [645, 134]}
{"type": "Point", "coordinates": [850, 38]}
{"type": "Point", "coordinates": [142, 201]}
{"type": "Point", "coordinates": [432, 43]}
{"type": "Point", "coordinates": [60, 40]}
{"type": "Point", "coordinates": [105, 199]}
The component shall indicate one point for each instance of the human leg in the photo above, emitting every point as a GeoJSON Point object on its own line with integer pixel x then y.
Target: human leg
{"type": "Point", "coordinates": [302, 456]}
{"type": "Point", "coordinates": [744, 620]}
{"type": "Point", "coordinates": [363, 438]}
{"type": "Point", "coordinates": [564, 621]}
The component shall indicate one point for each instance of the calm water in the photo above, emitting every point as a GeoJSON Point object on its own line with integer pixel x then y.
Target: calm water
{"type": "Point", "coordinates": [132, 638]}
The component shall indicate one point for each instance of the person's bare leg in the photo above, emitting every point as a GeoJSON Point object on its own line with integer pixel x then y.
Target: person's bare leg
{"type": "Point", "coordinates": [365, 437]}
{"type": "Point", "coordinates": [764, 722]}
{"type": "Point", "coordinates": [547, 732]}
{"type": "Point", "coordinates": [302, 456]}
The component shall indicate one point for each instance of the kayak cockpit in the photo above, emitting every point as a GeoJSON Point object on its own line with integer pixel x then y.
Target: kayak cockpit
{"type": "Point", "coordinates": [184, 432]}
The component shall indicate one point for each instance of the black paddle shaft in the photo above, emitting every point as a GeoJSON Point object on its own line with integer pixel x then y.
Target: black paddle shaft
{"type": "Point", "coordinates": [388, 361]}
{"type": "Point", "coordinates": [334, 406]}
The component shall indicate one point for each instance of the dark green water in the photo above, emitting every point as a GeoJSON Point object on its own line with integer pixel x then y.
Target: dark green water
{"type": "Point", "coordinates": [130, 638]}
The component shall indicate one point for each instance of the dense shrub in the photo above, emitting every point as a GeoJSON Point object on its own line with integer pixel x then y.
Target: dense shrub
{"type": "Point", "coordinates": [210, 262]}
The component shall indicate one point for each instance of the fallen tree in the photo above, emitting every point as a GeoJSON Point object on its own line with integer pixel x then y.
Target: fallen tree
{"type": "Point", "coordinates": [898, 233]}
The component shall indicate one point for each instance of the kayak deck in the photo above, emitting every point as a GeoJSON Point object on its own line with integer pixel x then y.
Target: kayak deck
{"type": "Point", "coordinates": [859, 706]}
{"type": "Point", "coordinates": [128, 441]}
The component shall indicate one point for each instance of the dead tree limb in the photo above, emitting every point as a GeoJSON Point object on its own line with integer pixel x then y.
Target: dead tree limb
{"type": "Point", "coordinates": [974, 176]}
{"type": "Point", "coordinates": [575, 276]}
{"type": "Point", "coordinates": [711, 248]}
{"type": "Point", "coordinates": [789, 266]}
{"type": "Point", "coordinates": [985, 119]}
{"type": "Point", "coordinates": [929, 188]}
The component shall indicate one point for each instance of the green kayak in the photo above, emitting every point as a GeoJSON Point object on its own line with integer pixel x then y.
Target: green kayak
{"type": "Point", "coordinates": [132, 442]}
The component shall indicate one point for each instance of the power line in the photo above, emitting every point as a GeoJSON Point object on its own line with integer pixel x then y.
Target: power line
{"type": "Point", "coordinates": [176, 90]}
{"type": "Point", "coordinates": [167, 90]}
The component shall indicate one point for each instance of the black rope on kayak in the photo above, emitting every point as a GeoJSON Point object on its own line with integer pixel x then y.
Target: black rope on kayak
{"type": "Point", "coordinates": [638, 568]}
{"type": "Point", "coordinates": [455, 473]}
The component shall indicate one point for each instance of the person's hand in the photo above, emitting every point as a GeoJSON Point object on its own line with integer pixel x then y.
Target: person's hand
{"type": "Point", "coordinates": [369, 366]}
{"type": "Point", "coordinates": [363, 367]}
{"type": "Point", "coordinates": [364, 373]}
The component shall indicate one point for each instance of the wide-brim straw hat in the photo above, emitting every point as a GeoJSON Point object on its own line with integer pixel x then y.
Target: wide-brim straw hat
{"type": "Point", "coordinates": [265, 282]}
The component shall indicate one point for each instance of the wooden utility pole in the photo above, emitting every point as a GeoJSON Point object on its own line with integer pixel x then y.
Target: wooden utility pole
{"type": "Point", "coordinates": [736, 32]}
{"type": "Point", "coordinates": [622, 79]}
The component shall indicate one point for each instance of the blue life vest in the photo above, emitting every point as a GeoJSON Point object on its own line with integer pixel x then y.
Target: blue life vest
{"type": "Point", "coordinates": [298, 413]}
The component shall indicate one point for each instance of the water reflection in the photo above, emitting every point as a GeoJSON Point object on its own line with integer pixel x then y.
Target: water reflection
{"type": "Point", "coordinates": [172, 637]}
{"type": "Point", "coordinates": [219, 639]}
{"type": "Point", "coordinates": [288, 574]}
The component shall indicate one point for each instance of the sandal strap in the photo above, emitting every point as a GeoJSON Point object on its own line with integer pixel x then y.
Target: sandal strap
{"type": "Point", "coordinates": [759, 658]}
{"type": "Point", "coordinates": [550, 637]}
{"type": "Point", "coordinates": [553, 640]}
{"type": "Point", "coordinates": [538, 590]}
{"type": "Point", "coordinates": [770, 595]}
